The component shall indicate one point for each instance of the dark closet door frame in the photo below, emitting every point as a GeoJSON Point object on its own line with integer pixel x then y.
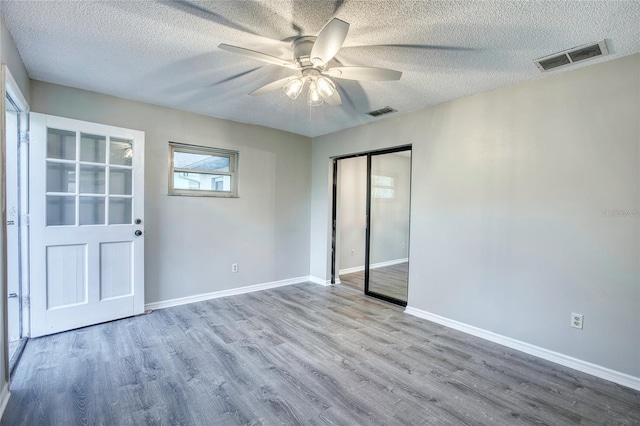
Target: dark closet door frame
{"type": "Point", "coordinates": [334, 212]}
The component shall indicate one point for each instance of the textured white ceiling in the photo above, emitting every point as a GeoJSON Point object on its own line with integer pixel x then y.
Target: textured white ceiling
{"type": "Point", "coordinates": [166, 53]}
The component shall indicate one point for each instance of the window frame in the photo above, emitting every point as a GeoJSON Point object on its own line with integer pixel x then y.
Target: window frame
{"type": "Point", "coordinates": [234, 160]}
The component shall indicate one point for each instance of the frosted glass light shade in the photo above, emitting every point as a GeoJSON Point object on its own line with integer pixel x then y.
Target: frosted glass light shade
{"type": "Point", "coordinates": [325, 87]}
{"type": "Point", "coordinates": [293, 88]}
{"type": "Point", "coordinates": [314, 98]}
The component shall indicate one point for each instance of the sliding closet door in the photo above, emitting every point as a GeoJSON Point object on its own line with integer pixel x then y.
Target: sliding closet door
{"type": "Point", "coordinates": [387, 263]}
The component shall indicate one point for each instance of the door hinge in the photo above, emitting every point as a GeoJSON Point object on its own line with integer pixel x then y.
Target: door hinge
{"type": "Point", "coordinates": [24, 137]}
{"type": "Point", "coordinates": [25, 220]}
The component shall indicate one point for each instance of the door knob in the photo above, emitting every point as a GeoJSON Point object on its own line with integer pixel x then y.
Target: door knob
{"type": "Point", "coordinates": [138, 221]}
{"type": "Point", "coordinates": [137, 233]}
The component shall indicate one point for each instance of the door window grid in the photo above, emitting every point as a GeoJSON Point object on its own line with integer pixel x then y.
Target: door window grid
{"type": "Point", "coordinates": [103, 193]}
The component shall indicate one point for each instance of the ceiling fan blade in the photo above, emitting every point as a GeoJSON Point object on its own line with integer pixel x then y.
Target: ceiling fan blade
{"type": "Point", "coordinates": [329, 41]}
{"type": "Point", "coordinates": [278, 84]}
{"type": "Point", "coordinates": [364, 73]}
{"type": "Point", "coordinates": [334, 99]}
{"type": "Point", "coordinates": [258, 56]}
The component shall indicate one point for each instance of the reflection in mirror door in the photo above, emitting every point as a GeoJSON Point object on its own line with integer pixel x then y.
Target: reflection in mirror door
{"type": "Point", "coordinates": [387, 263]}
{"type": "Point", "coordinates": [351, 221]}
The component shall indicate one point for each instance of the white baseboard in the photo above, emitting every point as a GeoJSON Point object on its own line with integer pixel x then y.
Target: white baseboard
{"type": "Point", "coordinates": [373, 266]}
{"type": "Point", "coordinates": [577, 364]}
{"type": "Point", "coordinates": [4, 398]}
{"type": "Point", "coordinates": [351, 270]}
{"type": "Point", "coordinates": [224, 293]}
{"type": "Point", "coordinates": [319, 281]}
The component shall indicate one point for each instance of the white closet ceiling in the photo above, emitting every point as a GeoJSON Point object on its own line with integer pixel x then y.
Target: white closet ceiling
{"type": "Point", "coordinates": [166, 53]}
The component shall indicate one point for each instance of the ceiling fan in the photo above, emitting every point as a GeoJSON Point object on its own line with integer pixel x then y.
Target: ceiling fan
{"type": "Point", "coordinates": [311, 56]}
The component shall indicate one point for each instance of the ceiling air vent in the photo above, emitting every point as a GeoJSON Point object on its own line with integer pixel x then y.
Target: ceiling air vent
{"type": "Point", "coordinates": [571, 56]}
{"type": "Point", "coordinates": [381, 111]}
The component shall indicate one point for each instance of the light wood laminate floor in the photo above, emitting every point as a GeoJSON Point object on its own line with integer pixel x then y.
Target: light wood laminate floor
{"type": "Point", "coordinates": [302, 354]}
{"type": "Point", "coordinates": [389, 281]}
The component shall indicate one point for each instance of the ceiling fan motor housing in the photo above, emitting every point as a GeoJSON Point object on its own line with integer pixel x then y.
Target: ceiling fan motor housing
{"type": "Point", "coordinates": [302, 50]}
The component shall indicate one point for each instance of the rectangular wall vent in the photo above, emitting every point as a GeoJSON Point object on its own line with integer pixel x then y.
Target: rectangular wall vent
{"type": "Point", "coordinates": [571, 56]}
{"type": "Point", "coordinates": [381, 111]}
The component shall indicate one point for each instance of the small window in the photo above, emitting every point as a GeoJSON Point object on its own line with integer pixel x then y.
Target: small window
{"type": "Point", "coordinates": [202, 171]}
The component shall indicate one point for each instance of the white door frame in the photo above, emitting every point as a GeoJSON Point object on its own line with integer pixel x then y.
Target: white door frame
{"type": "Point", "coordinates": [11, 89]}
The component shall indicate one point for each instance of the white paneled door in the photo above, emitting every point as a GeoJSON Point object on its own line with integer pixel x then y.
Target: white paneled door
{"type": "Point", "coordinates": [87, 244]}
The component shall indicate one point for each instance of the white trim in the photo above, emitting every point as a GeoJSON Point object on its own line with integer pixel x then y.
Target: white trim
{"type": "Point", "coordinates": [577, 364]}
{"type": "Point", "coordinates": [319, 281]}
{"type": "Point", "coordinates": [373, 266]}
{"type": "Point", "coordinates": [223, 293]}
{"type": "Point", "coordinates": [351, 270]}
{"type": "Point", "coordinates": [4, 398]}
{"type": "Point", "coordinates": [389, 263]}
{"type": "Point", "coordinates": [13, 90]}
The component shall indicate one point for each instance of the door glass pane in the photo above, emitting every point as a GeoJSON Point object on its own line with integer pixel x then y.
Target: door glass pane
{"type": "Point", "coordinates": [120, 210]}
{"type": "Point", "coordinates": [121, 152]}
{"type": "Point", "coordinates": [61, 210]}
{"type": "Point", "coordinates": [91, 210]}
{"type": "Point", "coordinates": [93, 148]}
{"type": "Point", "coordinates": [201, 181]}
{"type": "Point", "coordinates": [92, 179]}
{"type": "Point", "coordinates": [61, 144]}
{"type": "Point", "coordinates": [61, 177]}
{"type": "Point", "coordinates": [389, 232]}
{"type": "Point", "coordinates": [120, 181]}
{"type": "Point", "coordinates": [187, 160]}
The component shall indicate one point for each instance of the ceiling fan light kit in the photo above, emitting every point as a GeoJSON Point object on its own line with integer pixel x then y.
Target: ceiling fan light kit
{"type": "Point", "coordinates": [311, 59]}
{"type": "Point", "coordinates": [314, 98]}
{"type": "Point", "coordinates": [320, 87]}
{"type": "Point", "coordinates": [294, 87]}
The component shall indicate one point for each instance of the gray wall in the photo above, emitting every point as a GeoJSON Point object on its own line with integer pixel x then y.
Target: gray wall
{"type": "Point", "coordinates": [12, 59]}
{"type": "Point", "coordinates": [509, 194]}
{"type": "Point", "coordinates": [191, 242]}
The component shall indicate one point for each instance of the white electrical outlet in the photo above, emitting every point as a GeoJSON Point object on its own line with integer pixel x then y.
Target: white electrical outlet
{"type": "Point", "coordinates": [234, 267]}
{"type": "Point", "coordinates": [353, 252]}
{"type": "Point", "coordinates": [576, 320]}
